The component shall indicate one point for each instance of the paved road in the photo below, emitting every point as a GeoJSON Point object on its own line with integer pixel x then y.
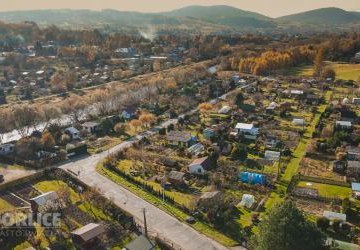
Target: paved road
{"type": "Point", "coordinates": [159, 222]}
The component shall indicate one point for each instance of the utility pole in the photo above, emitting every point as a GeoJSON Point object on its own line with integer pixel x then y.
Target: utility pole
{"type": "Point", "coordinates": [145, 224]}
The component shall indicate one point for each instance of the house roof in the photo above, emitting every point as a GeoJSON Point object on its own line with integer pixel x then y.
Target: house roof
{"type": "Point", "coordinates": [355, 186]}
{"type": "Point", "coordinates": [353, 164]}
{"type": "Point", "coordinates": [209, 195]}
{"type": "Point", "coordinates": [344, 123]}
{"type": "Point", "coordinates": [245, 126]}
{"type": "Point", "coordinates": [72, 130]}
{"type": "Point", "coordinates": [176, 175]}
{"type": "Point", "coordinates": [272, 154]}
{"type": "Point", "coordinates": [204, 162]}
{"type": "Point", "coordinates": [140, 243]}
{"type": "Point", "coordinates": [334, 216]}
{"type": "Point", "coordinates": [353, 150]}
{"type": "Point", "coordinates": [298, 121]}
{"type": "Point", "coordinates": [179, 136]}
{"type": "Point", "coordinates": [199, 161]}
{"type": "Point", "coordinates": [90, 124]}
{"type": "Point", "coordinates": [90, 231]}
{"type": "Point", "coordinates": [296, 92]}
{"type": "Point", "coordinates": [43, 198]}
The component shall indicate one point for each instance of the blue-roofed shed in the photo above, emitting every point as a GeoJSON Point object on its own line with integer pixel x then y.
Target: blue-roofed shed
{"type": "Point", "coordinates": [252, 178]}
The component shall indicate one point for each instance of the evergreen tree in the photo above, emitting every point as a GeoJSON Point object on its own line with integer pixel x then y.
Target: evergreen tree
{"type": "Point", "coordinates": [286, 228]}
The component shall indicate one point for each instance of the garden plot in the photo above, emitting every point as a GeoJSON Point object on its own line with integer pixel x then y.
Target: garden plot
{"type": "Point", "coordinates": [312, 206]}
{"type": "Point", "coordinates": [327, 190]}
{"type": "Point", "coordinates": [319, 168]}
{"type": "Point", "coordinates": [80, 210]}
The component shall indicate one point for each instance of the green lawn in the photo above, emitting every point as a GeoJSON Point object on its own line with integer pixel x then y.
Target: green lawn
{"type": "Point", "coordinates": [55, 185]}
{"type": "Point", "coordinates": [5, 206]}
{"type": "Point", "coordinates": [199, 226]}
{"type": "Point", "coordinates": [343, 71]}
{"type": "Point", "coordinates": [326, 190]}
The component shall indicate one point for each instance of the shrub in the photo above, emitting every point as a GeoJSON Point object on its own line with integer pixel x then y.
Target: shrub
{"type": "Point", "coordinates": [323, 223]}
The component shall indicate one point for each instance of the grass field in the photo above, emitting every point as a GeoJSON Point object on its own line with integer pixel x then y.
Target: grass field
{"type": "Point", "coordinates": [326, 190]}
{"type": "Point", "coordinates": [343, 71]}
{"type": "Point", "coordinates": [5, 206]}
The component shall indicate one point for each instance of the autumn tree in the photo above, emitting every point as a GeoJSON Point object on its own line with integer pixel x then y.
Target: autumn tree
{"type": "Point", "coordinates": [24, 118]}
{"type": "Point", "coordinates": [135, 124]}
{"type": "Point", "coordinates": [319, 62]}
{"type": "Point", "coordinates": [147, 119]}
{"type": "Point", "coordinates": [204, 107]}
{"type": "Point", "coordinates": [47, 140]}
{"type": "Point", "coordinates": [329, 73]}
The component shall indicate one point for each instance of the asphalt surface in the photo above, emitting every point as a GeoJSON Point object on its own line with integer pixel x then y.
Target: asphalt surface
{"type": "Point", "coordinates": [160, 223]}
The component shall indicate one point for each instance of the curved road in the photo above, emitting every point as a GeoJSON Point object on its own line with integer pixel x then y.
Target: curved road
{"type": "Point", "coordinates": [159, 222]}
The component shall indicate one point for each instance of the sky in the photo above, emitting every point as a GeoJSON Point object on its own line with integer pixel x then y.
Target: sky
{"type": "Point", "coordinates": [273, 8]}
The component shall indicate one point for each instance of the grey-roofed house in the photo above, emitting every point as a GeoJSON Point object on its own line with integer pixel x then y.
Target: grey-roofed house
{"type": "Point", "coordinates": [176, 177]}
{"type": "Point", "coordinates": [272, 155]}
{"type": "Point", "coordinates": [179, 138]}
{"type": "Point", "coordinates": [343, 124]}
{"type": "Point", "coordinates": [353, 153]}
{"type": "Point", "coordinates": [140, 243]}
{"type": "Point", "coordinates": [210, 199]}
{"type": "Point", "coordinates": [334, 216]}
{"type": "Point", "coordinates": [73, 132]}
{"type": "Point", "coordinates": [91, 127]}
{"type": "Point", "coordinates": [353, 169]}
{"type": "Point", "coordinates": [87, 235]}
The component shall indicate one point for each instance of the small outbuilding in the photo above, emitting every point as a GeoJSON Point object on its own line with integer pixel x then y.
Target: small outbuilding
{"type": "Point", "coordinates": [87, 235]}
{"type": "Point", "coordinates": [43, 199]}
{"type": "Point", "coordinates": [200, 166]}
{"type": "Point", "coordinates": [247, 201]}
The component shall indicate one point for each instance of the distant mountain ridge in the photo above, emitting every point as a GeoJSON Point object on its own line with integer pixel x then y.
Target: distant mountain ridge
{"type": "Point", "coordinates": [209, 18]}
{"type": "Point", "coordinates": [324, 16]}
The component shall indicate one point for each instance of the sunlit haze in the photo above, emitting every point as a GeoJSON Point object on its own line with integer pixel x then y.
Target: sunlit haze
{"type": "Point", "coordinates": [273, 8]}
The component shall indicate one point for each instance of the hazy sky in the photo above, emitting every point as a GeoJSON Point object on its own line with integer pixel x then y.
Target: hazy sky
{"type": "Point", "coordinates": [272, 8]}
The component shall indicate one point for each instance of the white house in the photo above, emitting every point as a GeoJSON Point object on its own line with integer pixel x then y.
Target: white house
{"type": "Point", "coordinates": [356, 100]}
{"type": "Point", "coordinates": [343, 124]}
{"type": "Point", "coordinates": [200, 166]}
{"type": "Point", "coordinates": [334, 216]}
{"type": "Point", "coordinates": [6, 148]}
{"type": "Point", "coordinates": [73, 132]}
{"type": "Point", "coordinates": [299, 122]}
{"type": "Point", "coordinates": [272, 155]}
{"type": "Point", "coordinates": [248, 129]}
